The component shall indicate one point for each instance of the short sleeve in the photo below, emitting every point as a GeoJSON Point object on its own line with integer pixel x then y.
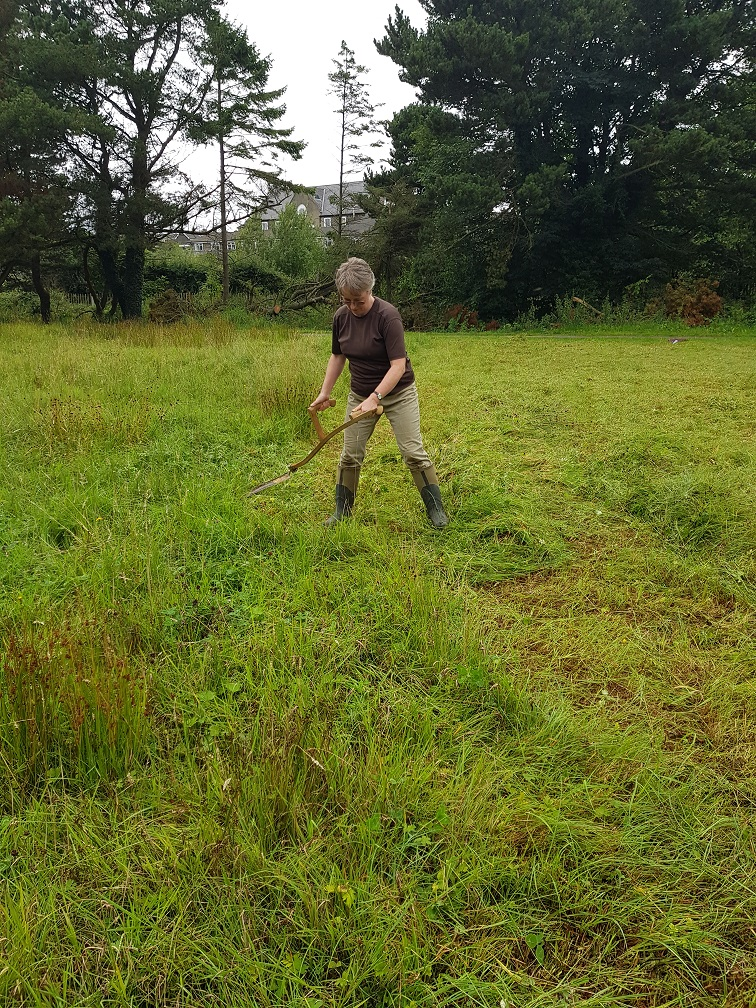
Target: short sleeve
{"type": "Point", "coordinates": [335, 345]}
{"type": "Point", "coordinates": [393, 335]}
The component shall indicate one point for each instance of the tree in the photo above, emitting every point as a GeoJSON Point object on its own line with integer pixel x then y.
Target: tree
{"type": "Point", "coordinates": [393, 241]}
{"type": "Point", "coordinates": [548, 133]}
{"type": "Point", "coordinates": [293, 248]}
{"type": "Point", "coordinates": [33, 201]}
{"type": "Point", "coordinates": [139, 77]}
{"type": "Point", "coordinates": [456, 238]}
{"type": "Point", "coordinates": [35, 204]}
{"type": "Point", "coordinates": [115, 87]}
{"type": "Point", "coordinates": [241, 116]}
{"type": "Point", "coordinates": [704, 192]}
{"type": "Point", "coordinates": [356, 115]}
{"type": "Point", "coordinates": [146, 72]}
{"type": "Point", "coordinates": [127, 66]}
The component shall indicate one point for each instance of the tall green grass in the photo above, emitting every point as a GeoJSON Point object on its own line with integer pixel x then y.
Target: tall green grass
{"type": "Point", "coordinates": [245, 760]}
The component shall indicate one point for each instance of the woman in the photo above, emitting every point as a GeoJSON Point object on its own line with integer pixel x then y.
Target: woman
{"type": "Point", "coordinates": [368, 332]}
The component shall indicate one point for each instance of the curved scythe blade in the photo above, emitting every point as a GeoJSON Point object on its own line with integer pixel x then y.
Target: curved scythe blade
{"type": "Point", "coordinates": [270, 483]}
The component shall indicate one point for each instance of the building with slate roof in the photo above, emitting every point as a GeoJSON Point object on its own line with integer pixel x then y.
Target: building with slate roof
{"type": "Point", "coordinates": [203, 241]}
{"type": "Point", "coordinates": [321, 206]}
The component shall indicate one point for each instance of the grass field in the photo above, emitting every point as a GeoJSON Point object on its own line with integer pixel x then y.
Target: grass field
{"type": "Point", "coordinates": [248, 761]}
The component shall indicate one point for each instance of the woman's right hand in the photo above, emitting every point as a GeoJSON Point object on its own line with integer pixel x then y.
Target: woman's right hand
{"type": "Point", "coordinates": [323, 402]}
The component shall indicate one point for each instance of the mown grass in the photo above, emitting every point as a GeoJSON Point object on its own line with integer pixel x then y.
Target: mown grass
{"type": "Point", "coordinates": [248, 761]}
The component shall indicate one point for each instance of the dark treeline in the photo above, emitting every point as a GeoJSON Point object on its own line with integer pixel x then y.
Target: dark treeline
{"type": "Point", "coordinates": [574, 147]}
{"type": "Point", "coordinates": [585, 148]}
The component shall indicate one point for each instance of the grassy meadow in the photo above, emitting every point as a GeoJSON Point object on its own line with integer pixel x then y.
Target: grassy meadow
{"type": "Point", "coordinates": [248, 761]}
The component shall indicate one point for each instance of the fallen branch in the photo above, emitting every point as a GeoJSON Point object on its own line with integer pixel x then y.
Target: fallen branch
{"type": "Point", "coordinates": [308, 295]}
{"type": "Point", "coordinates": [577, 300]}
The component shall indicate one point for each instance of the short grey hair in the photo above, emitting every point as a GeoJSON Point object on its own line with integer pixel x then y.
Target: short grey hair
{"type": "Point", "coordinates": [354, 275]}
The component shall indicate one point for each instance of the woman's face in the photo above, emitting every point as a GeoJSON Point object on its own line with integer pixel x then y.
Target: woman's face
{"type": "Point", "coordinates": [359, 303]}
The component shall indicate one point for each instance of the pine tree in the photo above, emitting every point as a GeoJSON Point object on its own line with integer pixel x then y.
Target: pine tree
{"type": "Point", "coordinates": [37, 213]}
{"type": "Point", "coordinates": [242, 117]}
{"type": "Point", "coordinates": [127, 65]}
{"type": "Point", "coordinates": [141, 74]}
{"type": "Point", "coordinates": [544, 135]}
{"type": "Point", "coordinates": [356, 115]}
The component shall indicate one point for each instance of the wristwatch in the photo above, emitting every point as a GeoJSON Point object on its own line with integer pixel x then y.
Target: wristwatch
{"type": "Point", "coordinates": [377, 395]}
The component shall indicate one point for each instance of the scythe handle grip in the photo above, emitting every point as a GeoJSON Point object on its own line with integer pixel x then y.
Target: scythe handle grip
{"type": "Point", "coordinates": [377, 412]}
{"type": "Point", "coordinates": [316, 420]}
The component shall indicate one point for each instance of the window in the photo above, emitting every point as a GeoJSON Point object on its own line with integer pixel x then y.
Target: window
{"type": "Point", "coordinates": [199, 246]}
{"type": "Point", "coordinates": [326, 222]}
{"type": "Point", "coordinates": [265, 225]}
{"type": "Point", "coordinates": [231, 246]}
{"type": "Point", "coordinates": [343, 219]}
{"type": "Point", "coordinates": [301, 209]}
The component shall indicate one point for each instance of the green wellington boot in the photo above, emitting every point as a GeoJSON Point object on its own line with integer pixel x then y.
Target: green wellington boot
{"type": "Point", "coordinates": [346, 488]}
{"type": "Point", "coordinates": [426, 482]}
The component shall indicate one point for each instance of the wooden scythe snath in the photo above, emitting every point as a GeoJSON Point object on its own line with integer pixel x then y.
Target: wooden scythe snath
{"type": "Point", "coordinates": [323, 438]}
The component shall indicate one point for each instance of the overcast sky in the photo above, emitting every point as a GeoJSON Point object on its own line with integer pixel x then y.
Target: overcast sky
{"type": "Point", "coordinates": [302, 38]}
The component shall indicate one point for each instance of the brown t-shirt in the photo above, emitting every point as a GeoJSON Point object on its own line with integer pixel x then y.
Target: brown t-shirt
{"type": "Point", "coordinates": [369, 344]}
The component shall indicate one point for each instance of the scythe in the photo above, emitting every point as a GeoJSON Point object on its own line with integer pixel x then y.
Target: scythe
{"type": "Point", "coordinates": [323, 438]}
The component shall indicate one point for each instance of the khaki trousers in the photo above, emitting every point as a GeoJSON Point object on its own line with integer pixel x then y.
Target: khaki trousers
{"type": "Point", "coordinates": [403, 412]}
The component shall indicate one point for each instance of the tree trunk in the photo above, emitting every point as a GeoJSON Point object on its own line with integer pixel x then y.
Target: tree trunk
{"type": "Point", "coordinates": [341, 158]}
{"type": "Point", "coordinates": [224, 229]}
{"type": "Point", "coordinates": [132, 271]}
{"type": "Point", "coordinates": [5, 272]}
{"type": "Point", "coordinates": [98, 302]}
{"type": "Point", "coordinates": [133, 283]}
{"type": "Point", "coordinates": [42, 292]}
{"type": "Point", "coordinates": [109, 267]}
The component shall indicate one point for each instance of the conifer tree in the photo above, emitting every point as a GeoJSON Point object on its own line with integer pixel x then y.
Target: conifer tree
{"type": "Point", "coordinates": [37, 218]}
{"type": "Point", "coordinates": [356, 116]}
{"type": "Point", "coordinates": [242, 117]}
{"type": "Point", "coordinates": [126, 67]}
{"type": "Point", "coordinates": [545, 135]}
{"type": "Point", "coordinates": [140, 75]}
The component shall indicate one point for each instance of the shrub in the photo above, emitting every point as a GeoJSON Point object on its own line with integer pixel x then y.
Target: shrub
{"type": "Point", "coordinates": [168, 307]}
{"type": "Point", "coordinates": [20, 305]}
{"type": "Point", "coordinates": [246, 275]}
{"type": "Point", "coordinates": [419, 315]}
{"type": "Point", "coordinates": [458, 318]}
{"type": "Point", "coordinates": [695, 301]}
{"type": "Point", "coordinates": [16, 305]}
{"type": "Point", "coordinates": [170, 267]}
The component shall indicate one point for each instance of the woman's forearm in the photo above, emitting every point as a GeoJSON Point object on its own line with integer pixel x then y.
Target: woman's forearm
{"type": "Point", "coordinates": [334, 368]}
{"type": "Point", "coordinates": [392, 377]}
{"type": "Point", "coordinates": [387, 384]}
